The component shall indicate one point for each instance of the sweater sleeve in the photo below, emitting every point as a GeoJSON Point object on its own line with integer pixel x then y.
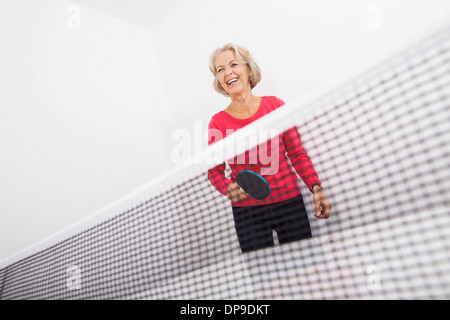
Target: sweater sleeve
{"type": "Point", "coordinates": [299, 158]}
{"type": "Point", "coordinates": [216, 174]}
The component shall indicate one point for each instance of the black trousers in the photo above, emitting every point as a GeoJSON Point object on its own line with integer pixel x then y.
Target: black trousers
{"type": "Point", "coordinates": [254, 224]}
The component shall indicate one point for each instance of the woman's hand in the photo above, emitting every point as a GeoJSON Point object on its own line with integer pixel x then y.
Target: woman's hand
{"type": "Point", "coordinates": [321, 203]}
{"type": "Point", "coordinates": [235, 193]}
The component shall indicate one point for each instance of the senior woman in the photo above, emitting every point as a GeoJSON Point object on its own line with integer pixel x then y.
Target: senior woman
{"type": "Point", "coordinates": [235, 75]}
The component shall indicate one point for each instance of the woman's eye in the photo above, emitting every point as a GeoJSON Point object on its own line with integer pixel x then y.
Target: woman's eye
{"type": "Point", "coordinates": [219, 70]}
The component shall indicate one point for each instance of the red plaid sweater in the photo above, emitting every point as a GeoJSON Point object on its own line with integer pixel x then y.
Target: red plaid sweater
{"type": "Point", "coordinates": [269, 159]}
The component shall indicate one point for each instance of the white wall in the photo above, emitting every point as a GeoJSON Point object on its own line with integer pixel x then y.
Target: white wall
{"type": "Point", "coordinates": [86, 115]}
{"type": "Point", "coordinates": [82, 112]}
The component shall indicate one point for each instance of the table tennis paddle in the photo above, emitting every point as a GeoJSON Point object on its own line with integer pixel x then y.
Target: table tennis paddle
{"type": "Point", "coordinates": [253, 184]}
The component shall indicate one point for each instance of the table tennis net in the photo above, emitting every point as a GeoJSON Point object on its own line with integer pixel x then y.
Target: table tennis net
{"type": "Point", "coordinates": [380, 144]}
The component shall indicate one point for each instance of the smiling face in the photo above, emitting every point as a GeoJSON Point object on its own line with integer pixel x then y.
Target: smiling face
{"type": "Point", "coordinates": [232, 74]}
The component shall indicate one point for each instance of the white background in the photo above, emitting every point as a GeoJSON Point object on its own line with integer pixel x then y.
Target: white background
{"type": "Point", "coordinates": [91, 91]}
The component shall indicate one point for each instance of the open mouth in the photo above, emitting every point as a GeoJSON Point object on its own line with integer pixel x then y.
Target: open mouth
{"type": "Point", "coordinates": [232, 81]}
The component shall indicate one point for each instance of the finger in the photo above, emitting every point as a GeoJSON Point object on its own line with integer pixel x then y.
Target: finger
{"type": "Point", "coordinates": [236, 194]}
{"type": "Point", "coordinates": [317, 207]}
{"type": "Point", "coordinates": [326, 212]}
{"type": "Point", "coordinates": [240, 189]}
{"type": "Point", "coordinates": [242, 195]}
{"type": "Point", "coordinates": [322, 216]}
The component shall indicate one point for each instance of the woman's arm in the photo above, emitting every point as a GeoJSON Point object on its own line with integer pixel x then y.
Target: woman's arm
{"type": "Point", "coordinates": [216, 176]}
{"type": "Point", "coordinates": [303, 165]}
{"type": "Point", "coordinates": [299, 158]}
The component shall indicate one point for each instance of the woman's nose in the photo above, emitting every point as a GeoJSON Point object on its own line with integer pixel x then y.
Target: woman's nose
{"type": "Point", "coordinates": [228, 71]}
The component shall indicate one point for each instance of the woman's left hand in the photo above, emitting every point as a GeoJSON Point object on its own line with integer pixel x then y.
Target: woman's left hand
{"type": "Point", "coordinates": [321, 204]}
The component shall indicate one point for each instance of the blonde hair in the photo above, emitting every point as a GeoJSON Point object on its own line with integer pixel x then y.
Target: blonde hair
{"type": "Point", "coordinates": [244, 56]}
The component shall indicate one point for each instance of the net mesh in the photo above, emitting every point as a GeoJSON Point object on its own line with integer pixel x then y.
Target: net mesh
{"type": "Point", "coordinates": [380, 144]}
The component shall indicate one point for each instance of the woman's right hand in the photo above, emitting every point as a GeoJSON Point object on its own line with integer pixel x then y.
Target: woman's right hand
{"type": "Point", "coordinates": [235, 193]}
